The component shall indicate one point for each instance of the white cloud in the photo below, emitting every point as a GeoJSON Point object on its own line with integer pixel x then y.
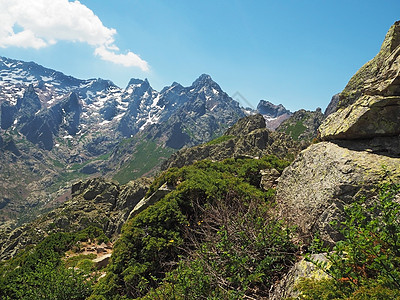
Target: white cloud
{"type": "Point", "coordinates": [45, 22]}
{"type": "Point", "coordinates": [128, 60]}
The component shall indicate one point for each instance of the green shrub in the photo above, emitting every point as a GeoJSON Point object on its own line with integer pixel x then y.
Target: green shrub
{"type": "Point", "coordinates": [74, 260]}
{"type": "Point", "coordinates": [92, 233]}
{"type": "Point", "coordinates": [366, 264]}
{"type": "Point", "coordinates": [295, 130]}
{"type": "Point", "coordinates": [164, 249]}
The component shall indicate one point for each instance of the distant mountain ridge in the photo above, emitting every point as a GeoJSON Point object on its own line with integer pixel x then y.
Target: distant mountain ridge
{"type": "Point", "coordinates": [56, 128]}
{"type": "Point", "coordinates": [102, 106]}
{"type": "Point", "coordinates": [273, 114]}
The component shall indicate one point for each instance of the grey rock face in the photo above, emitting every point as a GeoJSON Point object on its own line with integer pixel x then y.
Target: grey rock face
{"type": "Point", "coordinates": [269, 178]}
{"type": "Point", "coordinates": [246, 125]}
{"type": "Point", "coordinates": [7, 115]}
{"type": "Point", "coordinates": [332, 106]}
{"type": "Point", "coordinates": [273, 114]}
{"type": "Point", "coordinates": [206, 112]}
{"type": "Point", "coordinates": [313, 190]}
{"type": "Point", "coordinates": [302, 125]}
{"type": "Point", "coordinates": [44, 127]}
{"type": "Point", "coordinates": [144, 203]}
{"type": "Point", "coordinates": [302, 269]}
{"type": "Point", "coordinates": [271, 110]}
{"type": "Point", "coordinates": [249, 138]}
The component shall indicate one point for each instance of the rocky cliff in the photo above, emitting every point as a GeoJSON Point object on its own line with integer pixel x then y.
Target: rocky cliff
{"type": "Point", "coordinates": [369, 106]}
{"type": "Point", "coordinates": [359, 151]}
{"type": "Point", "coordinates": [273, 114]}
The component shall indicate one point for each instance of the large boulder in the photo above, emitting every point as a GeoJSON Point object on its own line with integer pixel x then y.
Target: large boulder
{"type": "Point", "coordinates": [369, 106]}
{"type": "Point", "coordinates": [370, 116]}
{"type": "Point", "coordinates": [359, 152]}
{"type": "Point", "coordinates": [313, 190]}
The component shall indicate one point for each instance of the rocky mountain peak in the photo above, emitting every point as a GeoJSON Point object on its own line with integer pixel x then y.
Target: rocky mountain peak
{"type": "Point", "coordinates": [273, 114]}
{"type": "Point", "coordinates": [205, 80]}
{"type": "Point", "coordinates": [269, 109]}
{"type": "Point", "coordinates": [332, 106]}
{"type": "Point", "coordinates": [392, 38]}
{"type": "Point", "coordinates": [138, 82]}
{"type": "Point", "coordinates": [30, 100]}
{"type": "Point", "coordinates": [175, 86]}
{"type": "Point", "coordinates": [246, 125]}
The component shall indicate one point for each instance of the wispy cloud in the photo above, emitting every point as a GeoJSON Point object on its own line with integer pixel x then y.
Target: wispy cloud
{"type": "Point", "coordinates": [42, 23]}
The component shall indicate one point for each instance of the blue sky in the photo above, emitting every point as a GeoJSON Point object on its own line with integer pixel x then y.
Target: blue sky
{"type": "Point", "coordinates": [298, 53]}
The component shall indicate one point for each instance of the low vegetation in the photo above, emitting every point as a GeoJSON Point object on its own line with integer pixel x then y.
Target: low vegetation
{"type": "Point", "coordinates": [213, 236]}
{"type": "Point", "coordinates": [147, 156]}
{"type": "Point", "coordinates": [295, 130]}
{"type": "Point", "coordinates": [41, 273]}
{"type": "Point", "coordinates": [366, 264]}
{"type": "Point", "coordinates": [220, 139]}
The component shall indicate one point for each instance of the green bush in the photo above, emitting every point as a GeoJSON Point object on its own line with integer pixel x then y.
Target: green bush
{"type": "Point", "coordinates": [163, 249]}
{"type": "Point", "coordinates": [239, 251]}
{"type": "Point", "coordinates": [366, 264]}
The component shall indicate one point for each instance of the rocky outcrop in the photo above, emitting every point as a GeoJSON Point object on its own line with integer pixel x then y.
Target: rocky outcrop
{"type": "Point", "coordinates": [246, 125]}
{"type": "Point", "coordinates": [24, 110]}
{"type": "Point", "coordinates": [302, 125]}
{"type": "Point", "coordinates": [248, 137]}
{"type": "Point", "coordinates": [313, 190]}
{"type": "Point", "coordinates": [271, 110]}
{"type": "Point", "coordinates": [44, 126]}
{"type": "Point", "coordinates": [161, 192]}
{"type": "Point", "coordinates": [363, 149]}
{"type": "Point", "coordinates": [273, 114]}
{"type": "Point", "coordinates": [369, 117]}
{"type": "Point", "coordinates": [269, 178]}
{"type": "Point", "coordinates": [369, 106]}
{"type": "Point", "coordinates": [207, 111]}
